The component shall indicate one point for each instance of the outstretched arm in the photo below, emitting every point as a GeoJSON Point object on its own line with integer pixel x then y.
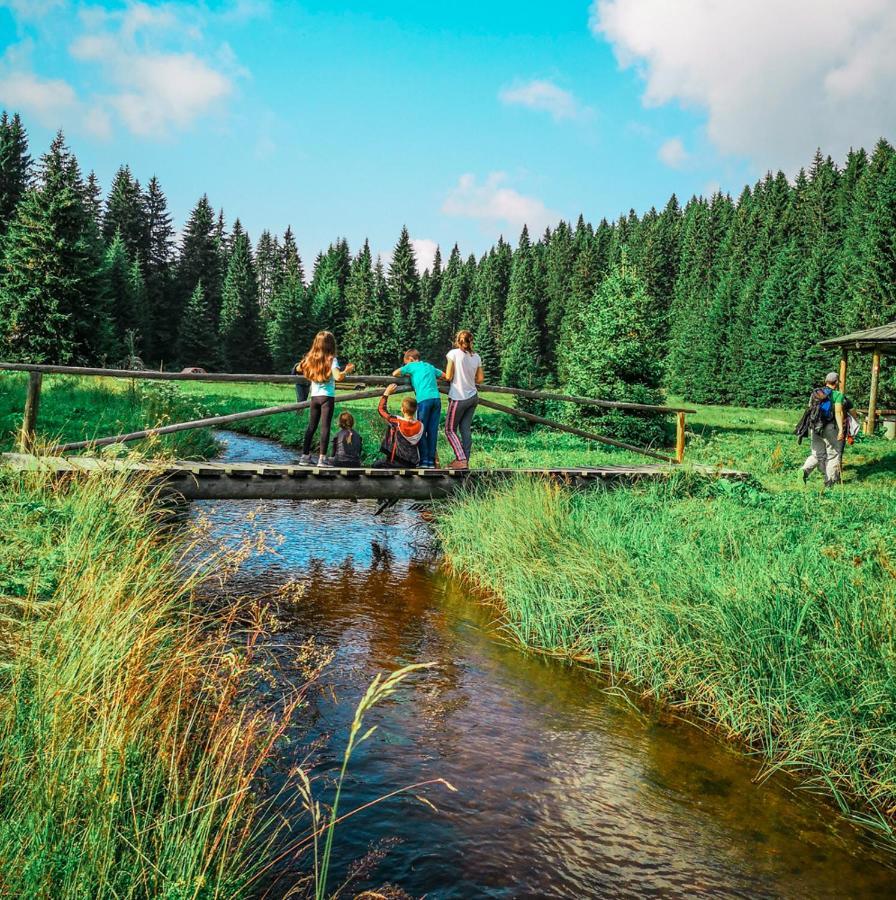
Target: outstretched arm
{"type": "Point", "coordinates": [339, 374]}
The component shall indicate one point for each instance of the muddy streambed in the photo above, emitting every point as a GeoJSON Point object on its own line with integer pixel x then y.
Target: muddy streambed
{"type": "Point", "coordinates": [563, 788]}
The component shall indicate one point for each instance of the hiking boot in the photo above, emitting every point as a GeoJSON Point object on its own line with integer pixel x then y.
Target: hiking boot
{"type": "Point", "coordinates": [324, 463]}
{"type": "Point", "coordinates": [305, 459]}
{"type": "Point", "coordinates": [458, 464]}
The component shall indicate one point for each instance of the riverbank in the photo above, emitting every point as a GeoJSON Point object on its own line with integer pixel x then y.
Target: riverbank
{"type": "Point", "coordinates": [770, 615]}
{"type": "Point", "coordinates": [126, 757]}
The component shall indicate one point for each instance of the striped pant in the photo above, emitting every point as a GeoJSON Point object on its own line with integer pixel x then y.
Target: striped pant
{"type": "Point", "coordinates": [458, 426]}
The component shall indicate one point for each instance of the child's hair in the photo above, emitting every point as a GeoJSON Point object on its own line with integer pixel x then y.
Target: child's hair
{"type": "Point", "coordinates": [409, 406]}
{"type": "Point", "coordinates": [464, 340]}
{"type": "Point", "coordinates": [411, 355]}
{"type": "Point", "coordinates": [346, 421]}
{"type": "Point", "coordinates": [317, 363]}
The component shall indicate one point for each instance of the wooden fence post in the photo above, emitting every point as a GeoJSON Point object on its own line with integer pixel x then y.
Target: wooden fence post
{"type": "Point", "coordinates": [679, 437]}
{"type": "Point", "coordinates": [32, 407]}
{"type": "Point", "coordinates": [871, 421]}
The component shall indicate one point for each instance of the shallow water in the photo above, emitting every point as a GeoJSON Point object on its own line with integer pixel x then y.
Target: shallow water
{"type": "Point", "coordinates": [563, 789]}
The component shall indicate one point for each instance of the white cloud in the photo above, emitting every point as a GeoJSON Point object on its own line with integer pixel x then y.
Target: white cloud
{"type": "Point", "coordinates": [48, 99]}
{"type": "Point", "coordinates": [152, 91]}
{"type": "Point", "coordinates": [493, 202]}
{"type": "Point", "coordinates": [545, 96]}
{"type": "Point", "coordinates": [425, 252]}
{"type": "Point", "coordinates": [672, 153]}
{"type": "Point", "coordinates": [30, 10]}
{"type": "Point", "coordinates": [777, 78]}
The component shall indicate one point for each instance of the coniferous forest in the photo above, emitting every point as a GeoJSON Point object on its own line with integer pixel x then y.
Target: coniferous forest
{"type": "Point", "coordinates": [717, 299]}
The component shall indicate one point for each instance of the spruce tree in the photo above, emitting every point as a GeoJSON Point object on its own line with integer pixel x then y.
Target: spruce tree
{"type": "Point", "coordinates": [404, 296]}
{"type": "Point", "coordinates": [15, 167]}
{"type": "Point", "coordinates": [365, 338]}
{"type": "Point", "coordinates": [488, 303]}
{"type": "Point", "coordinates": [522, 360]}
{"type": "Point", "coordinates": [123, 304]}
{"type": "Point", "coordinates": [240, 341]}
{"type": "Point", "coordinates": [448, 305]}
{"type": "Point", "coordinates": [288, 326]}
{"type": "Point", "coordinates": [125, 214]}
{"type": "Point", "coordinates": [616, 358]}
{"type": "Point", "coordinates": [158, 271]}
{"type": "Point", "coordinates": [198, 344]}
{"type": "Point", "coordinates": [200, 260]}
{"type": "Point", "coordinates": [560, 260]}
{"type": "Point", "coordinates": [660, 252]}
{"type": "Point", "coordinates": [51, 298]}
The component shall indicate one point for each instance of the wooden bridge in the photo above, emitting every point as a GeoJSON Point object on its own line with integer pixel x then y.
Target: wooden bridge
{"type": "Point", "coordinates": [263, 481]}
{"type": "Point", "coordinates": [258, 481]}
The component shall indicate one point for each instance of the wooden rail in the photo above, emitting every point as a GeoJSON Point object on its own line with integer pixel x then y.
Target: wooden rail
{"type": "Point", "coordinates": [36, 372]}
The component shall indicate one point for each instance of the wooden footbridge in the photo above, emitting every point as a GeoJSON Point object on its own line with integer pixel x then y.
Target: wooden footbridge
{"type": "Point", "coordinates": [259, 481]}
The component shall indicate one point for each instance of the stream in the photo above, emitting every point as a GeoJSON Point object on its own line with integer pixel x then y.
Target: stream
{"type": "Point", "coordinates": [564, 788]}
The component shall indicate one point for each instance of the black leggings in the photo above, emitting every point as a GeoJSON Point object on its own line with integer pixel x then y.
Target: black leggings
{"type": "Point", "coordinates": [321, 411]}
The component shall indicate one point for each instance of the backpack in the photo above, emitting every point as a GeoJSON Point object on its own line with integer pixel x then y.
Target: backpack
{"type": "Point", "coordinates": [819, 413]}
{"type": "Point", "coordinates": [399, 450]}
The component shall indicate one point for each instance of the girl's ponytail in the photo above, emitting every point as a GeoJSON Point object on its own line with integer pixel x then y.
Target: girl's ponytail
{"type": "Point", "coordinates": [464, 341]}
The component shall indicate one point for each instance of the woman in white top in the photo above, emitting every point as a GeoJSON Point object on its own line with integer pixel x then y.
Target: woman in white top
{"type": "Point", "coordinates": [464, 372]}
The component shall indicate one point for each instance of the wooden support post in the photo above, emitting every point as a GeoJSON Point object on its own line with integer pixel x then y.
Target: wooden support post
{"type": "Point", "coordinates": [844, 354]}
{"type": "Point", "coordinates": [679, 437]}
{"type": "Point", "coordinates": [32, 407]}
{"type": "Point", "coordinates": [871, 421]}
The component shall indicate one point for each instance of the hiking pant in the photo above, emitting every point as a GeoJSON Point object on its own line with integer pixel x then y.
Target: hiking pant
{"type": "Point", "coordinates": [428, 414]}
{"type": "Point", "coordinates": [321, 411]}
{"type": "Point", "coordinates": [457, 426]}
{"type": "Point", "coordinates": [825, 455]}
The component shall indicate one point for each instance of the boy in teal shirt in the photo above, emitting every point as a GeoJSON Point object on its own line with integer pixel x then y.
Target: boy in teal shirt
{"type": "Point", "coordinates": [424, 380]}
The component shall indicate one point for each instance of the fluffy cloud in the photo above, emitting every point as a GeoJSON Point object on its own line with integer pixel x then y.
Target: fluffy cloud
{"type": "Point", "coordinates": [494, 203]}
{"type": "Point", "coordinates": [672, 153]}
{"type": "Point", "coordinates": [30, 9]}
{"type": "Point", "coordinates": [547, 97]}
{"type": "Point", "coordinates": [153, 91]}
{"type": "Point", "coordinates": [777, 78]}
{"type": "Point", "coordinates": [47, 99]}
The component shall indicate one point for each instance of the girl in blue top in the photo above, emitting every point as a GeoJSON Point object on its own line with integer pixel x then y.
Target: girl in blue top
{"type": "Point", "coordinates": [321, 368]}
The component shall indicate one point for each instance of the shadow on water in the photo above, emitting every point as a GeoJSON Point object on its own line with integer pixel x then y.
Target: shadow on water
{"type": "Point", "coordinates": [563, 788]}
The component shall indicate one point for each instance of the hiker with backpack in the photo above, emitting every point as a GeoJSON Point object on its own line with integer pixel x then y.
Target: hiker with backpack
{"type": "Point", "coordinates": [824, 422]}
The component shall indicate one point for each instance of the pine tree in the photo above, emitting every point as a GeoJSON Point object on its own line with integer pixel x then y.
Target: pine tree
{"type": "Point", "coordinates": [522, 361]}
{"type": "Point", "coordinates": [660, 252]}
{"type": "Point", "coordinates": [616, 357]}
{"type": "Point", "coordinates": [15, 167]}
{"type": "Point", "coordinates": [125, 313]}
{"type": "Point", "coordinates": [288, 326]}
{"type": "Point", "coordinates": [404, 296]}
{"type": "Point", "coordinates": [446, 309]}
{"type": "Point", "coordinates": [488, 303]}
{"type": "Point", "coordinates": [51, 298]}
{"type": "Point", "coordinates": [93, 200]}
{"type": "Point", "coordinates": [269, 265]}
{"type": "Point", "coordinates": [560, 260]}
{"type": "Point", "coordinates": [240, 341]}
{"type": "Point", "coordinates": [198, 343]}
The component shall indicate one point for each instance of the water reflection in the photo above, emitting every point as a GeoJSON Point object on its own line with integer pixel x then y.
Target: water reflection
{"type": "Point", "coordinates": [563, 789]}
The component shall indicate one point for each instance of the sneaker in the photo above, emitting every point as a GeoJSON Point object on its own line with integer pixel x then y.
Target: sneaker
{"type": "Point", "coordinates": [324, 463]}
{"type": "Point", "coordinates": [305, 459]}
{"type": "Point", "coordinates": [458, 464]}
{"type": "Point", "coordinates": [426, 465]}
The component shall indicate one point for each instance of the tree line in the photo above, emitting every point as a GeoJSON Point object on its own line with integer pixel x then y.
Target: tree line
{"type": "Point", "coordinates": [719, 300]}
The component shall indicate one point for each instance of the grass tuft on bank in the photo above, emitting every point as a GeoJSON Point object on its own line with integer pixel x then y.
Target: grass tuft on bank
{"type": "Point", "coordinates": [772, 615]}
{"type": "Point", "coordinates": [127, 761]}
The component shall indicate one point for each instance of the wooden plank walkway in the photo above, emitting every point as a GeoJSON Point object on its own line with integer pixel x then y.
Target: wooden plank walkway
{"type": "Point", "coordinates": [264, 481]}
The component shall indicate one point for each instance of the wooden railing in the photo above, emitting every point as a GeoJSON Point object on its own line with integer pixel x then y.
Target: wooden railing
{"type": "Point", "coordinates": [357, 389]}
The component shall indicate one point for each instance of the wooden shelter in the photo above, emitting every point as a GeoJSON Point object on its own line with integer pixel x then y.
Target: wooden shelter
{"type": "Point", "coordinates": [878, 342]}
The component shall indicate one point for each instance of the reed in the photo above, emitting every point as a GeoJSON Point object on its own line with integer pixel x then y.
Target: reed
{"type": "Point", "coordinates": [128, 761]}
{"type": "Point", "coordinates": [771, 615]}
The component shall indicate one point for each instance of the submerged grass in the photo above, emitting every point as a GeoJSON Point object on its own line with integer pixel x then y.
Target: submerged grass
{"type": "Point", "coordinates": [771, 615]}
{"type": "Point", "coordinates": [127, 761]}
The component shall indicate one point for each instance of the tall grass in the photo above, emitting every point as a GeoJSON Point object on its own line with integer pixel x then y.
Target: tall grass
{"type": "Point", "coordinates": [127, 760]}
{"type": "Point", "coordinates": [771, 615]}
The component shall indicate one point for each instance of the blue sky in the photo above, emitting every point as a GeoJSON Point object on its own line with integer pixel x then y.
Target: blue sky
{"type": "Point", "coordinates": [461, 119]}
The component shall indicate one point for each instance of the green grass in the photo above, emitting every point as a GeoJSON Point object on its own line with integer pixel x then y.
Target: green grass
{"type": "Point", "coordinates": [770, 614]}
{"type": "Point", "coordinates": [127, 764]}
{"type": "Point", "coordinates": [75, 409]}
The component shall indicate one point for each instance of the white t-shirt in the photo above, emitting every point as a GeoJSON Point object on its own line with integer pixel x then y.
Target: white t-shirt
{"type": "Point", "coordinates": [325, 388]}
{"type": "Point", "coordinates": [463, 385]}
